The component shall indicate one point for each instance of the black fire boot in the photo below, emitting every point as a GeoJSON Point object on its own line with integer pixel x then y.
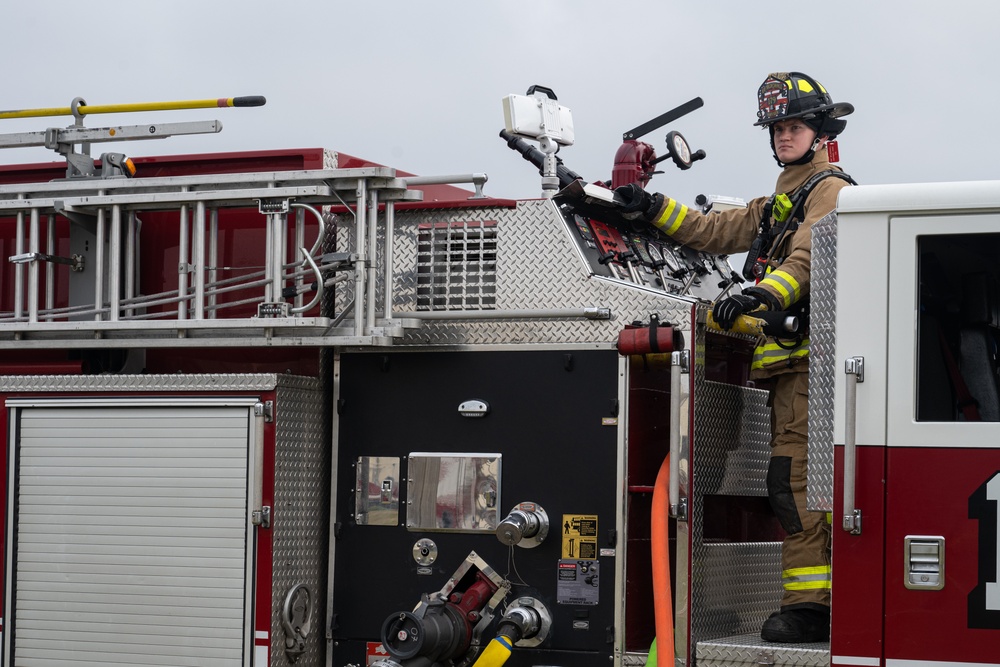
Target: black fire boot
{"type": "Point", "coordinates": [797, 626]}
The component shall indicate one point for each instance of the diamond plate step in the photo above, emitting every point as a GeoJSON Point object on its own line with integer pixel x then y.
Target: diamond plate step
{"type": "Point", "coordinates": [750, 649]}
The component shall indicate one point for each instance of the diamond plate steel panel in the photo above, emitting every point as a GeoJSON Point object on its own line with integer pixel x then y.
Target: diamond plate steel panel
{"type": "Point", "coordinates": [538, 267]}
{"type": "Point", "coordinates": [749, 649]}
{"type": "Point", "coordinates": [734, 431]}
{"type": "Point", "coordinates": [734, 586]}
{"type": "Point", "coordinates": [144, 383]}
{"type": "Point", "coordinates": [737, 586]}
{"type": "Point", "coordinates": [301, 503]}
{"type": "Point", "coordinates": [822, 362]}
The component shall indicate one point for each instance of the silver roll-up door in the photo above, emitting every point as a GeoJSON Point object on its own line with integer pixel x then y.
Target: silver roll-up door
{"type": "Point", "coordinates": [131, 538]}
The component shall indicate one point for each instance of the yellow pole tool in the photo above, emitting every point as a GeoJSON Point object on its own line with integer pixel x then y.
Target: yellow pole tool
{"type": "Point", "coordinates": [85, 109]}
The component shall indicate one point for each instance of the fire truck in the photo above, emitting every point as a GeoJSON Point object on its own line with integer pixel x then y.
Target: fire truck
{"type": "Point", "coordinates": [293, 407]}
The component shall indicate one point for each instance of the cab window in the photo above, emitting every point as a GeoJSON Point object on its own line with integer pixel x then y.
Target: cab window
{"type": "Point", "coordinates": [958, 328]}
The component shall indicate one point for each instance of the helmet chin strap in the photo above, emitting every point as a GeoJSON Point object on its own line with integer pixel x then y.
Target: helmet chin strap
{"type": "Point", "coordinates": [817, 143]}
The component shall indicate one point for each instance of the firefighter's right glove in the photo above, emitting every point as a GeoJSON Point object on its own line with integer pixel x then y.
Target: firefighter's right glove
{"type": "Point", "coordinates": [726, 311]}
{"type": "Point", "coordinates": [638, 204]}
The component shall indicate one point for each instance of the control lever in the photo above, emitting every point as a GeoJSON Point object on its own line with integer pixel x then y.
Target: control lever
{"type": "Point", "coordinates": [689, 281]}
{"type": "Point", "coordinates": [657, 264]}
{"type": "Point", "coordinates": [627, 257]}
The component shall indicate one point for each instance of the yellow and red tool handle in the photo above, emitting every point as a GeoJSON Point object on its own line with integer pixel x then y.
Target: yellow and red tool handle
{"type": "Point", "coordinates": [85, 109]}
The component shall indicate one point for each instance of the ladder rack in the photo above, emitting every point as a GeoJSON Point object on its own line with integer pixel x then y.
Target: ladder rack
{"type": "Point", "coordinates": [93, 297]}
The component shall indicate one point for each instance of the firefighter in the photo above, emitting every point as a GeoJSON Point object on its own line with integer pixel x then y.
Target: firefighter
{"type": "Point", "coordinates": [801, 118]}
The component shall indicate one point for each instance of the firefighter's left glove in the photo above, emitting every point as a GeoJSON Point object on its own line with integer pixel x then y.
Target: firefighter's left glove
{"type": "Point", "coordinates": [637, 203]}
{"type": "Point", "coordinates": [726, 311]}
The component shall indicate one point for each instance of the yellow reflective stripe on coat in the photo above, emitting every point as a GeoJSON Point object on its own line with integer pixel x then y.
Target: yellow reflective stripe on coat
{"type": "Point", "coordinates": [771, 353]}
{"type": "Point", "coordinates": [672, 217]}
{"type": "Point", "coordinates": [806, 578]}
{"type": "Point", "coordinates": [783, 282]}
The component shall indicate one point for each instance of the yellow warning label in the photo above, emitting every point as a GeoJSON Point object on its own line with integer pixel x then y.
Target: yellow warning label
{"type": "Point", "coordinates": [579, 536]}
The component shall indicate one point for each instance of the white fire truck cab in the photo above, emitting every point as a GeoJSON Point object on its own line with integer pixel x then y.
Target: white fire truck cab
{"type": "Point", "coordinates": [906, 386]}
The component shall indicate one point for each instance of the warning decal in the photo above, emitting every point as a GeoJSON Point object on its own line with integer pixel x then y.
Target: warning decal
{"type": "Point", "coordinates": [579, 536]}
{"type": "Point", "coordinates": [578, 582]}
{"type": "Point", "coordinates": [374, 652]}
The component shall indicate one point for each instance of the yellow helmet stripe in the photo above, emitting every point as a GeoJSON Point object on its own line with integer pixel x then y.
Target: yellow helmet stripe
{"type": "Point", "coordinates": [803, 85]}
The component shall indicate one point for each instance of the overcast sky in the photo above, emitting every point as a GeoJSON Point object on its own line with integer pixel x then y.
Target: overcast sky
{"type": "Point", "coordinates": [418, 85]}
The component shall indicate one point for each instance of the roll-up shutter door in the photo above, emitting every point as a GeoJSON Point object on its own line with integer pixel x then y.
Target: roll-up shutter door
{"type": "Point", "coordinates": [131, 536]}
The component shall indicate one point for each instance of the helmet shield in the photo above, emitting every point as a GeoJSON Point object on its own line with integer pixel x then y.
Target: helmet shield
{"type": "Point", "coordinates": [772, 99]}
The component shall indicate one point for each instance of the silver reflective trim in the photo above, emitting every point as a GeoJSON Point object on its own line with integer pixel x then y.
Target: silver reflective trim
{"type": "Point", "coordinates": [806, 577]}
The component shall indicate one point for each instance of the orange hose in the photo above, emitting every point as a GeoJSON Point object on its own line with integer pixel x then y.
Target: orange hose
{"type": "Point", "coordinates": [659, 538]}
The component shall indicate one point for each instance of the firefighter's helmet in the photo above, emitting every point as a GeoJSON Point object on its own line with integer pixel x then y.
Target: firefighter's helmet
{"type": "Point", "coordinates": [785, 95]}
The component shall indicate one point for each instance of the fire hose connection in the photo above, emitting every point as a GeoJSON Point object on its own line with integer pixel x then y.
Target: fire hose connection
{"type": "Point", "coordinates": [526, 623]}
{"type": "Point", "coordinates": [527, 525]}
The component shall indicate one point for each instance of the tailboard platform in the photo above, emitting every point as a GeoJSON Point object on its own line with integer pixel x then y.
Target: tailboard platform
{"type": "Point", "coordinates": [750, 649]}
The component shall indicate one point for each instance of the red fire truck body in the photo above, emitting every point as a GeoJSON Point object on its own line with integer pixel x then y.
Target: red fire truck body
{"type": "Point", "coordinates": [258, 407]}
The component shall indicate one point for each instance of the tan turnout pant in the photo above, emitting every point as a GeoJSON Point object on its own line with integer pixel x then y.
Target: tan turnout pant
{"type": "Point", "coordinates": [805, 552]}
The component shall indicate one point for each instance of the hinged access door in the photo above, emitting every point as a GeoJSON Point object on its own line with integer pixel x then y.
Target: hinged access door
{"type": "Point", "coordinates": [129, 538]}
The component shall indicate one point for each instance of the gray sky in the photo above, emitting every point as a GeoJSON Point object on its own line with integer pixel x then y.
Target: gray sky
{"type": "Point", "coordinates": [418, 85]}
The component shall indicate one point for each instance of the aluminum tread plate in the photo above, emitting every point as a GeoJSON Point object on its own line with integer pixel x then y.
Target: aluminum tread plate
{"type": "Point", "coordinates": [538, 266]}
{"type": "Point", "coordinates": [301, 501]}
{"type": "Point", "coordinates": [737, 586]}
{"type": "Point", "coordinates": [153, 383]}
{"type": "Point", "coordinates": [822, 363]}
{"type": "Point", "coordinates": [734, 432]}
{"type": "Point", "coordinates": [734, 585]}
{"type": "Point", "coordinates": [750, 649]}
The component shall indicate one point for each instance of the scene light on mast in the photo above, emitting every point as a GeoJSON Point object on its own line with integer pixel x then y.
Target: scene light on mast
{"type": "Point", "coordinates": [538, 115]}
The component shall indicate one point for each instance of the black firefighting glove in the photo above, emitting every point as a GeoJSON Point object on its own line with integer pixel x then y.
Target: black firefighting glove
{"type": "Point", "coordinates": [726, 311]}
{"type": "Point", "coordinates": [639, 204]}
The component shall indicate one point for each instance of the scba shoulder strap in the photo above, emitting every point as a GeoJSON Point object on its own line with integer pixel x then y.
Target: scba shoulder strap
{"type": "Point", "coordinates": [756, 261]}
{"type": "Point", "coordinates": [802, 194]}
